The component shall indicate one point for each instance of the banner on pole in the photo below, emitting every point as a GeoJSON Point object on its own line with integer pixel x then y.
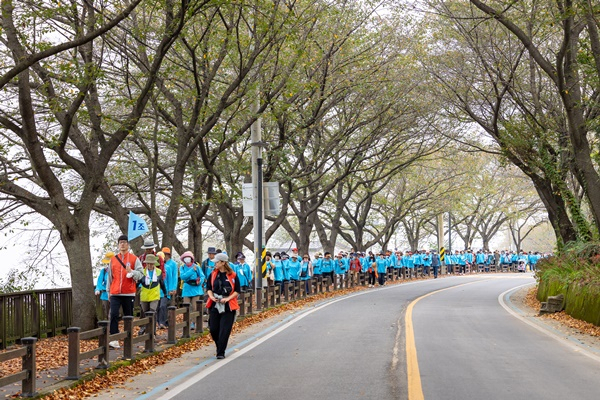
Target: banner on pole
{"type": "Point", "coordinates": [136, 227]}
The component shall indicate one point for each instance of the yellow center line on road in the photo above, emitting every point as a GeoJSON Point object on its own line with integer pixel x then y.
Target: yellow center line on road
{"type": "Point", "coordinates": [415, 390]}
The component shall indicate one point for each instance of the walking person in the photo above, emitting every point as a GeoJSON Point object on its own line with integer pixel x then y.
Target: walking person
{"type": "Point", "coordinates": [223, 289]}
{"type": "Point", "coordinates": [151, 286]}
{"type": "Point", "coordinates": [125, 271]}
{"type": "Point", "coordinates": [306, 271]}
{"type": "Point", "coordinates": [192, 279]}
{"type": "Point", "coordinates": [170, 277]}
{"type": "Point", "coordinates": [435, 263]}
{"type": "Point", "coordinates": [102, 285]}
{"type": "Point", "coordinates": [372, 271]}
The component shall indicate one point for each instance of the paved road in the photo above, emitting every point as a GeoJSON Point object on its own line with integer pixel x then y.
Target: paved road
{"type": "Point", "coordinates": [467, 347]}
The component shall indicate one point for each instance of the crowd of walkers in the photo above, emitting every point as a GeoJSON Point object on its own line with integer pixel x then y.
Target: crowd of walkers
{"type": "Point", "coordinates": [159, 279]}
{"type": "Point", "coordinates": [284, 267]}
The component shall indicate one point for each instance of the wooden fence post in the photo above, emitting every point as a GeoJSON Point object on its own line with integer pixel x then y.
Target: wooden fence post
{"type": "Point", "coordinates": [272, 290]}
{"type": "Point", "coordinates": [200, 317]}
{"type": "Point", "coordinates": [150, 329]}
{"type": "Point", "coordinates": [19, 320]}
{"type": "Point", "coordinates": [286, 292]}
{"type": "Point", "coordinates": [103, 343]}
{"type": "Point", "coordinates": [172, 322]}
{"type": "Point", "coordinates": [187, 320]}
{"type": "Point", "coordinates": [28, 384]}
{"type": "Point", "coordinates": [128, 342]}
{"type": "Point", "coordinates": [74, 350]}
{"type": "Point", "coordinates": [242, 303]}
{"type": "Point", "coordinates": [50, 317]}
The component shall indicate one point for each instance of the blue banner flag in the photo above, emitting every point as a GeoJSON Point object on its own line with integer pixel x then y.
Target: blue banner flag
{"type": "Point", "coordinates": [137, 226]}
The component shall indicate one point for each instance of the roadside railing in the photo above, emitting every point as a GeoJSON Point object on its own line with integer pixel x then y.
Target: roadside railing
{"type": "Point", "coordinates": [27, 374]}
{"type": "Point", "coordinates": [35, 313]}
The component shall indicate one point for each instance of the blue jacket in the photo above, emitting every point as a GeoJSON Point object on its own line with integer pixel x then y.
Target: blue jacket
{"type": "Point", "coordinates": [293, 268]}
{"type": "Point", "coordinates": [381, 265]}
{"type": "Point", "coordinates": [101, 284]}
{"type": "Point", "coordinates": [278, 271]}
{"type": "Point", "coordinates": [171, 278]}
{"type": "Point", "coordinates": [480, 258]}
{"type": "Point", "coordinates": [188, 275]}
{"type": "Point", "coordinates": [426, 259]}
{"type": "Point", "coordinates": [339, 266]}
{"type": "Point", "coordinates": [243, 273]}
{"type": "Point", "coordinates": [304, 268]}
{"type": "Point", "coordinates": [317, 266]}
{"type": "Point", "coordinates": [327, 265]}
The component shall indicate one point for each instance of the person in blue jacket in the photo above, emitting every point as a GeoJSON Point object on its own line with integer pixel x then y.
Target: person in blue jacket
{"type": "Point", "coordinates": [306, 270]}
{"type": "Point", "coordinates": [101, 285]}
{"type": "Point", "coordinates": [339, 266]}
{"type": "Point", "coordinates": [461, 260]}
{"type": "Point", "coordinates": [316, 265]}
{"type": "Point", "coordinates": [426, 259]}
{"type": "Point", "coordinates": [382, 265]}
{"type": "Point", "coordinates": [242, 271]}
{"type": "Point", "coordinates": [293, 267]}
{"type": "Point", "coordinates": [327, 266]}
{"type": "Point", "coordinates": [192, 279]}
{"type": "Point", "coordinates": [409, 264]}
{"type": "Point", "coordinates": [171, 281]}
{"type": "Point", "coordinates": [278, 272]}
{"type": "Point", "coordinates": [489, 257]}
{"type": "Point", "coordinates": [480, 260]}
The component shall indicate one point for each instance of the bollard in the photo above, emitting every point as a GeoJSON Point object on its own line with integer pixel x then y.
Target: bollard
{"type": "Point", "coordinates": [150, 328]}
{"type": "Point", "coordinates": [272, 290]}
{"type": "Point", "coordinates": [28, 364]}
{"type": "Point", "coordinates": [200, 317]}
{"type": "Point", "coordinates": [242, 303]}
{"type": "Point", "coordinates": [309, 287]}
{"type": "Point", "coordinates": [251, 303]}
{"type": "Point", "coordinates": [335, 282]}
{"type": "Point", "coordinates": [259, 300]}
{"type": "Point", "coordinates": [286, 292]}
{"type": "Point", "coordinates": [172, 321]}
{"type": "Point", "coordinates": [74, 350]}
{"type": "Point", "coordinates": [128, 342]}
{"type": "Point", "coordinates": [187, 320]}
{"type": "Point", "coordinates": [103, 343]}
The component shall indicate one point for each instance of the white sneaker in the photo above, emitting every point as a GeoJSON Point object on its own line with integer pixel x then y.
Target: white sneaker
{"type": "Point", "coordinates": [114, 344]}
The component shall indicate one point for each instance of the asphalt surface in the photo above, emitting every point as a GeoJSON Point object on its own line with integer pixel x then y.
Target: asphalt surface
{"type": "Point", "coordinates": [468, 347]}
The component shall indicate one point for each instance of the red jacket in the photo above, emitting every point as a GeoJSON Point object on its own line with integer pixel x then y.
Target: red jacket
{"type": "Point", "coordinates": [120, 283]}
{"type": "Point", "coordinates": [233, 303]}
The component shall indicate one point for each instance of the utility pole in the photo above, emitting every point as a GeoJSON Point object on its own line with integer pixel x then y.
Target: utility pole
{"type": "Point", "coordinates": [257, 195]}
{"type": "Point", "coordinates": [449, 232]}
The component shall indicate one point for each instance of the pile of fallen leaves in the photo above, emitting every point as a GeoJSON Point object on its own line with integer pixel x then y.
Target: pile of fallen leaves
{"type": "Point", "coordinates": [562, 317]}
{"type": "Point", "coordinates": [122, 373]}
{"type": "Point", "coordinates": [531, 299]}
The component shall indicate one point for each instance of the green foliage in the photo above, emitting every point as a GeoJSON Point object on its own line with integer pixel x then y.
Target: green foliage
{"type": "Point", "coordinates": [17, 281]}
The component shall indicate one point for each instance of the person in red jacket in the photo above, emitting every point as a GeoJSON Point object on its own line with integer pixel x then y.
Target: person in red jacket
{"type": "Point", "coordinates": [222, 287]}
{"type": "Point", "coordinates": [125, 270]}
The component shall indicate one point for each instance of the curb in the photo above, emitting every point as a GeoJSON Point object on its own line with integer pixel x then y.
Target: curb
{"type": "Point", "coordinates": [567, 340]}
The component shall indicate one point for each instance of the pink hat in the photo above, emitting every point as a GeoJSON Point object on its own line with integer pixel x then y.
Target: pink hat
{"type": "Point", "coordinates": [186, 254]}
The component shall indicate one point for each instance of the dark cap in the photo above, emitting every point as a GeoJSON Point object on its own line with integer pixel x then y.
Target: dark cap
{"type": "Point", "coordinates": [211, 250]}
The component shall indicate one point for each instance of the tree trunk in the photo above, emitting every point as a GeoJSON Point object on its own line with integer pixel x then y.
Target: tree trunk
{"type": "Point", "coordinates": [77, 245]}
